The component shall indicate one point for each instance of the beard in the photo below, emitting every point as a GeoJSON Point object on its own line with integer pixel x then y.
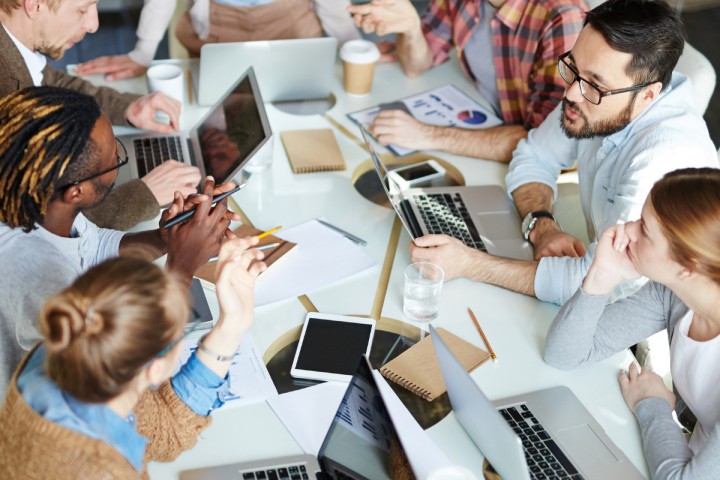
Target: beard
{"type": "Point", "coordinates": [52, 52]}
{"type": "Point", "coordinates": [603, 128]}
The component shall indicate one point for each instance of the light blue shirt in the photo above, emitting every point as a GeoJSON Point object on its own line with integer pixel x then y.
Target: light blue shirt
{"type": "Point", "coordinates": [615, 173]}
{"type": "Point", "coordinates": [195, 384]}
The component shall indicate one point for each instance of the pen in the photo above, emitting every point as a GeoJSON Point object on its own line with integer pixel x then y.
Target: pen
{"type": "Point", "coordinates": [482, 334]}
{"type": "Point", "coordinates": [261, 247]}
{"type": "Point", "coordinates": [347, 235]}
{"type": "Point", "coordinates": [188, 215]}
{"type": "Point", "coordinates": [269, 232]}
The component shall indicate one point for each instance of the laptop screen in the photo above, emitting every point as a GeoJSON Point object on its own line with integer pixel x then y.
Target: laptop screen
{"type": "Point", "coordinates": [361, 437]}
{"type": "Point", "coordinates": [231, 134]}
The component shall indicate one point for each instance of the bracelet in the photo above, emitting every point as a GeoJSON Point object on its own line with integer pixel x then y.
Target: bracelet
{"type": "Point", "coordinates": [211, 354]}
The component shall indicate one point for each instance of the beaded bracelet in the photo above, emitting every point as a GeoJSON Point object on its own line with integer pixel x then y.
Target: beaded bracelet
{"type": "Point", "coordinates": [211, 354]}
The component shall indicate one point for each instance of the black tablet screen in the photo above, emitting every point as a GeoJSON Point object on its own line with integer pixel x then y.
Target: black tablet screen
{"type": "Point", "coordinates": [333, 347]}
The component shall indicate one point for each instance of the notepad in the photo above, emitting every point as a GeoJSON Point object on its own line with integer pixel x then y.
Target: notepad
{"type": "Point", "coordinates": [417, 369]}
{"type": "Point", "coordinates": [312, 150]}
{"type": "Point", "coordinates": [206, 273]}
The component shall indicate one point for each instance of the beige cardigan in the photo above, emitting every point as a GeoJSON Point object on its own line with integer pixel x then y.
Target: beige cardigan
{"type": "Point", "coordinates": [34, 448]}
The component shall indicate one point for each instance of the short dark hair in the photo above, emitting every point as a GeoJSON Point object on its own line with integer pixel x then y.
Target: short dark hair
{"type": "Point", "coordinates": [650, 30]}
{"type": "Point", "coordinates": [44, 143]}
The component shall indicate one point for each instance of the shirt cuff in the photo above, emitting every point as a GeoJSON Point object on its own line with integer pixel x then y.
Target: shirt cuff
{"type": "Point", "coordinates": [198, 387]}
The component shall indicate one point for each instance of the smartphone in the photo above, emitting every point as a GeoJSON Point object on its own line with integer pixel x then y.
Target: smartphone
{"type": "Point", "coordinates": [417, 174]}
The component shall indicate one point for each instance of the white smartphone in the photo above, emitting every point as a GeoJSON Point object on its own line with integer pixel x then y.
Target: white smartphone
{"type": "Point", "coordinates": [417, 174]}
{"type": "Point", "coordinates": [331, 346]}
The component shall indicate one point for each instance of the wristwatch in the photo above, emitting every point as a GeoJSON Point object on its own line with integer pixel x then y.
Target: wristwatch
{"type": "Point", "coordinates": [531, 219]}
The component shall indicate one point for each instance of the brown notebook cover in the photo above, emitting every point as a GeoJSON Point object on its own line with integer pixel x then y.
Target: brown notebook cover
{"type": "Point", "coordinates": [206, 273]}
{"type": "Point", "coordinates": [417, 368]}
{"type": "Point", "coordinates": [312, 150]}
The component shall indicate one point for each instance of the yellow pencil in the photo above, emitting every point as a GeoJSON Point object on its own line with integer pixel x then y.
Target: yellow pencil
{"type": "Point", "coordinates": [269, 232]}
{"type": "Point", "coordinates": [482, 334]}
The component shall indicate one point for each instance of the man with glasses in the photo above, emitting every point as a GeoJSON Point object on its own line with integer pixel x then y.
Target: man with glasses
{"type": "Point", "coordinates": [625, 118]}
{"type": "Point", "coordinates": [58, 158]}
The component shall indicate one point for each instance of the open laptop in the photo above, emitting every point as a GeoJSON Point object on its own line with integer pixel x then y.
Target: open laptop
{"type": "Point", "coordinates": [356, 447]}
{"type": "Point", "coordinates": [220, 144]}
{"type": "Point", "coordinates": [297, 69]}
{"type": "Point", "coordinates": [538, 435]}
{"type": "Point", "coordinates": [482, 216]}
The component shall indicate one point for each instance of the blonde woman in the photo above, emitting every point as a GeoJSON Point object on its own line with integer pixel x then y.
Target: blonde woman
{"type": "Point", "coordinates": [676, 245]}
{"type": "Point", "coordinates": [96, 398]}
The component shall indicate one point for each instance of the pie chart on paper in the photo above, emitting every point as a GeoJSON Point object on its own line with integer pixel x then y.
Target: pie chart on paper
{"type": "Point", "coordinates": [472, 117]}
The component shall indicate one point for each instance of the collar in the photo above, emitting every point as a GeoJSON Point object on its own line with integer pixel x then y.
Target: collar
{"type": "Point", "coordinates": [93, 420]}
{"type": "Point", "coordinates": [34, 61]}
{"type": "Point", "coordinates": [511, 12]}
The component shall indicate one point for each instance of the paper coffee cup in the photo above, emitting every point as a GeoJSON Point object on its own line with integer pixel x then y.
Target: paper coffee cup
{"type": "Point", "coordinates": [359, 58]}
{"type": "Point", "coordinates": [168, 79]}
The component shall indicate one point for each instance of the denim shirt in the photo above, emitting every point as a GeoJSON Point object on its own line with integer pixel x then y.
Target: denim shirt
{"type": "Point", "coordinates": [195, 384]}
{"type": "Point", "coordinates": [615, 173]}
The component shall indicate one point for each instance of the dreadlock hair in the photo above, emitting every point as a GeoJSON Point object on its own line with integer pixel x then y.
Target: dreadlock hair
{"type": "Point", "coordinates": [44, 142]}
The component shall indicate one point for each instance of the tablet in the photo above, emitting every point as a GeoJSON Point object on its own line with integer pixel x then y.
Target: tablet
{"type": "Point", "coordinates": [331, 346]}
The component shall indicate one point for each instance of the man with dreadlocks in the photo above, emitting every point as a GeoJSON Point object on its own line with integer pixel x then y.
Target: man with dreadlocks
{"type": "Point", "coordinates": [58, 157]}
{"type": "Point", "coordinates": [34, 29]}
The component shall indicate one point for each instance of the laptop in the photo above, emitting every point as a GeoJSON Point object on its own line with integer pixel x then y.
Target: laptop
{"type": "Point", "coordinates": [482, 216]}
{"type": "Point", "coordinates": [538, 435]}
{"type": "Point", "coordinates": [297, 69]}
{"type": "Point", "coordinates": [356, 447]}
{"type": "Point", "coordinates": [220, 144]}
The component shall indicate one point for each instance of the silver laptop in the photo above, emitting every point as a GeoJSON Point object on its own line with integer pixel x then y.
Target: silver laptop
{"type": "Point", "coordinates": [220, 144]}
{"type": "Point", "coordinates": [298, 69]}
{"type": "Point", "coordinates": [537, 435]}
{"type": "Point", "coordinates": [482, 217]}
{"type": "Point", "coordinates": [356, 447]}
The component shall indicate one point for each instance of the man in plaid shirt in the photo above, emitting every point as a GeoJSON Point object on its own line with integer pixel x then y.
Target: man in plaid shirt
{"type": "Point", "coordinates": [509, 48]}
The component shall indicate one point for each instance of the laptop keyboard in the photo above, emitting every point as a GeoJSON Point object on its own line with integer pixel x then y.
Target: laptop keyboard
{"type": "Point", "coordinates": [288, 472]}
{"type": "Point", "coordinates": [446, 213]}
{"type": "Point", "coordinates": [151, 152]}
{"type": "Point", "coordinates": [544, 458]}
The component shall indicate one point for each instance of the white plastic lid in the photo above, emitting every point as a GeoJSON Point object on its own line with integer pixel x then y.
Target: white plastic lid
{"type": "Point", "coordinates": [359, 51]}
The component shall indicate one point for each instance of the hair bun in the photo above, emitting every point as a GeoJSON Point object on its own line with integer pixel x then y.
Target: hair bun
{"type": "Point", "coordinates": [62, 321]}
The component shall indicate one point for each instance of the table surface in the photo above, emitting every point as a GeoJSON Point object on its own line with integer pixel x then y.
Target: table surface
{"type": "Point", "coordinates": [515, 324]}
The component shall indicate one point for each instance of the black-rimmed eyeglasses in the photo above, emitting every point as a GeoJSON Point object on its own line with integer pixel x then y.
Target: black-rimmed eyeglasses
{"type": "Point", "coordinates": [591, 93]}
{"type": "Point", "coordinates": [122, 159]}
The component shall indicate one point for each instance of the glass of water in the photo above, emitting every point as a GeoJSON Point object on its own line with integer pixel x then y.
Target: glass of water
{"type": "Point", "coordinates": [421, 298]}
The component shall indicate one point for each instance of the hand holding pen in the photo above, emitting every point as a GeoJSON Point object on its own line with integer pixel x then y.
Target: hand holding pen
{"type": "Point", "coordinates": [191, 243]}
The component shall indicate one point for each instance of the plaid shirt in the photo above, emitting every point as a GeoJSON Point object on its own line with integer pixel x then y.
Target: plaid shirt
{"type": "Point", "coordinates": [528, 38]}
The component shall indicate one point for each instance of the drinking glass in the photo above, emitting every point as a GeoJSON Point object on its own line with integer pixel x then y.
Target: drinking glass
{"type": "Point", "coordinates": [421, 297]}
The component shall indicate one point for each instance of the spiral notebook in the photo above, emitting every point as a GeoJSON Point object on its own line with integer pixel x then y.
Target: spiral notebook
{"type": "Point", "coordinates": [312, 150]}
{"type": "Point", "coordinates": [417, 368]}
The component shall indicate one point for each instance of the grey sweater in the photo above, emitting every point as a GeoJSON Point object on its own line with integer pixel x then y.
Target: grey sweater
{"type": "Point", "coordinates": [587, 330]}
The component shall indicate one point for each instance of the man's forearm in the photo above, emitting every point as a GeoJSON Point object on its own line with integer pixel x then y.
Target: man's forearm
{"type": "Point", "coordinates": [515, 275]}
{"type": "Point", "coordinates": [532, 197]}
{"type": "Point", "coordinates": [413, 52]}
{"type": "Point", "coordinates": [496, 143]}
